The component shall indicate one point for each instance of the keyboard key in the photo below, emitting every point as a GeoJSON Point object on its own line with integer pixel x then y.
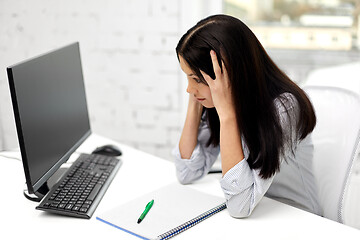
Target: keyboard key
{"type": "Point", "coordinates": [76, 208]}
{"type": "Point", "coordinates": [83, 210]}
{"type": "Point", "coordinates": [61, 205]}
{"type": "Point", "coordinates": [69, 206]}
{"type": "Point", "coordinates": [94, 192]}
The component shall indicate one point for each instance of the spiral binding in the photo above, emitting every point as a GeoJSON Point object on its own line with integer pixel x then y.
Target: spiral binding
{"type": "Point", "coordinates": [191, 223]}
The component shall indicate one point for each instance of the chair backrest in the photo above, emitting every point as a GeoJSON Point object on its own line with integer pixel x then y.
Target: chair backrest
{"type": "Point", "coordinates": [336, 144]}
{"type": "Point", "coordinates": [330, 76]}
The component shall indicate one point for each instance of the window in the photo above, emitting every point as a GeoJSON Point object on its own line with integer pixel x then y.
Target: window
{"type": "Point", "coordinates": [304, 35]}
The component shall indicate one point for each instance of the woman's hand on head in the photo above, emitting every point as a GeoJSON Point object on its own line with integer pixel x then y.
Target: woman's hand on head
{"type": "Point", "coordinates": [220, 89]}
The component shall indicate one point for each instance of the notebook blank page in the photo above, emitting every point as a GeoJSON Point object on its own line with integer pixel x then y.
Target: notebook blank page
{"type": "Point", "coordinates": [174, 205]}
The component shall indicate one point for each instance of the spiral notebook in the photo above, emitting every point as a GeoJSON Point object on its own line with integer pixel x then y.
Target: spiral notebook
{"type": "Point", "coordinates": [176, 208]}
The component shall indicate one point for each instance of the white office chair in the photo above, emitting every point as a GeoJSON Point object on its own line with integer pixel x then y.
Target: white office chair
{"type": "Point", "coordinates": [342, 76]}
{"type": "Point", "coordinates": [336, 146]}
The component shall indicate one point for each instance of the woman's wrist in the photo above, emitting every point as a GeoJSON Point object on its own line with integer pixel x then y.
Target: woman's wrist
{"type": "Point", "coordinates": [194, 109]}
{"type": "Point", "coordinates": [227, 116]}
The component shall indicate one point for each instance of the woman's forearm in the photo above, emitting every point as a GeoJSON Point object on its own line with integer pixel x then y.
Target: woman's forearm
{"type": "Point", "coordinates": [188, 139]}
{"type": "Point", "coordinates": [230, 143]}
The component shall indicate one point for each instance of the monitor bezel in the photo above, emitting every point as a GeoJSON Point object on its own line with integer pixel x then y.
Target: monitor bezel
{"type": "Point", "coordinates": [33, 187]}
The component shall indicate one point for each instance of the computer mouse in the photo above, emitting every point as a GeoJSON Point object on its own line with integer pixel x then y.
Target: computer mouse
{"type": "Point", "coordinates": [108, 150]}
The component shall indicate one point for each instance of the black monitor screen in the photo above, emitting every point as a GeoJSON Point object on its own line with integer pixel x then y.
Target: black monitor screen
{"type": "Point", "coordinates": [50, 109]}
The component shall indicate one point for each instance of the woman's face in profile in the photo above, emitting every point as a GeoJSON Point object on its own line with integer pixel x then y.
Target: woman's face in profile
{"type": "Point", "coordinates": [196, 88]}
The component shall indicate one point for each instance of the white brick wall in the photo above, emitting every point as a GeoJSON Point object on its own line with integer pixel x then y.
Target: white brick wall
{"type": "Point", "coordinates": [131, 72]}
{"type": "Point", "coordinates": [135, 89]}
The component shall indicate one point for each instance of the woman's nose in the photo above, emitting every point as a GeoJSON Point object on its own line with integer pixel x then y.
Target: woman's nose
{"type": "Point", "coordinates": [191, 88]}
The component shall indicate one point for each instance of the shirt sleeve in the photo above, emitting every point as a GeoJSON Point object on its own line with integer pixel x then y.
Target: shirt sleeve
{"type": "Point", "coordinates": [242, 186]}
{"type": "Point", "coordinates": [243, 189]}
{"type": "Point", "coordinates": [201, 160]}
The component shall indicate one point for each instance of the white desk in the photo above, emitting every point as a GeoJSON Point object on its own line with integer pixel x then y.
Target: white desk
{"type": "Point", "coordinates": [139, 174]}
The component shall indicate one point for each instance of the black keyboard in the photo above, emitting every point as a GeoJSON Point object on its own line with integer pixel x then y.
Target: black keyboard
{"type": "Point", "coordinates": [80, 190]}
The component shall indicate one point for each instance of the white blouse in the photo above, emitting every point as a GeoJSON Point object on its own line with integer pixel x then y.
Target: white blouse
{"type": "Point", "coordinates": [243, 187]}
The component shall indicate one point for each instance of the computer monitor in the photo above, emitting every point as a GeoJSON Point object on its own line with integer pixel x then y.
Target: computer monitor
{"type": "Point", "coordinates": [51, 115]}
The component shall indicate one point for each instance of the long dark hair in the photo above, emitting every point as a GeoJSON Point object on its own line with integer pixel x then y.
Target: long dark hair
{"type": "Point", "coordinates": [255, 82]}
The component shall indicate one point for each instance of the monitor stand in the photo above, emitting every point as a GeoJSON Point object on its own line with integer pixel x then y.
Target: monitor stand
{"type": "Point", "coordinates": [45, 188]}
{"type": "Point", "coordinates": [37, 196]}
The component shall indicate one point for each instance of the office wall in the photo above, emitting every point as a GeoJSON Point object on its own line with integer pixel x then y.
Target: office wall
{"type": "Point", "coordinates": [135, 89]}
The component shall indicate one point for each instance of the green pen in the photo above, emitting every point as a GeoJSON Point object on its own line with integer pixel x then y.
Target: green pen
{"type": "Point", "coordinates": [147, 209]}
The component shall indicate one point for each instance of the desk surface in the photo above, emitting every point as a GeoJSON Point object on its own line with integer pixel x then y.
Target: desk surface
{"type": "Point", "coordinates": [270, 220]}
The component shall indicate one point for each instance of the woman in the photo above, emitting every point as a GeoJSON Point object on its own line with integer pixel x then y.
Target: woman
{"type": "Point", "coordinates": [243, 106]}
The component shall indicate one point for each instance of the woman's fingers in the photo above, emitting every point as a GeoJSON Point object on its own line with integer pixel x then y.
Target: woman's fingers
{"type": "Point", "coordinates": [225, 74]}
{"type": "Point", "coordinates": [220, 73]}
{"type": "Point", "coordinates": [215, 63]}
{"type": "Point", "coordinates": [207, 78]}
{"type": "Point", "coordinates": [216, 68]}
